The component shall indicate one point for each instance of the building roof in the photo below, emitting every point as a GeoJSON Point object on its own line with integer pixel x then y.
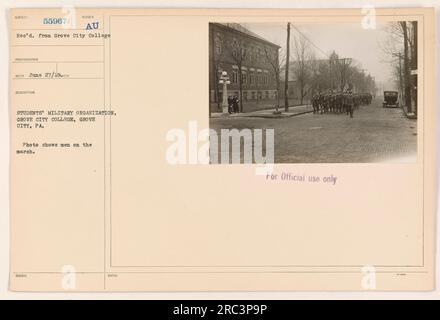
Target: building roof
{"type": "Point", "coordinates": [240, 28]}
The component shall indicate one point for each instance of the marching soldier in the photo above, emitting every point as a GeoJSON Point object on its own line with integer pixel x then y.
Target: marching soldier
{"type": "Point", "coordinates": [339, 102]}
{"type": "Point", "coordinates": [350, 103]}
{"type": "Point", "coordinates": [315, 102]}
{"type": "Point", "coordinates": [356, 101]}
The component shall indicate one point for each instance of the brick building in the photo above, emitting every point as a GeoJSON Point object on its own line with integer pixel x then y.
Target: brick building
{"type": "Point", "coordinates": [242, 54]}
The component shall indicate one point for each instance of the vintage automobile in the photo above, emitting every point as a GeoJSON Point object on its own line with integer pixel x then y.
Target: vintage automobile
{"type": "Point", "coordinates": [390, 99]}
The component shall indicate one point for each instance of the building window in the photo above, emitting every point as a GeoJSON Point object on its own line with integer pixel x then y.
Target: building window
{"type": "Point", "coordinates": [243, 77]}
{"type": "Point", "coordinates": [234, 76]}
{"type": "Point", "coordinates": [265, 79]}
{"type": "Point", "coordinates": [251, 78]}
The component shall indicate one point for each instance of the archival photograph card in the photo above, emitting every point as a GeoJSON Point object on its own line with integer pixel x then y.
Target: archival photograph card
{"type": "Point", "coordinates": [222, 149]}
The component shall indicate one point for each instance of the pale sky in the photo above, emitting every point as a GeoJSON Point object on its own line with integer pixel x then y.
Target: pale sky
{"type": "Point", "coordinates": [349, 40]}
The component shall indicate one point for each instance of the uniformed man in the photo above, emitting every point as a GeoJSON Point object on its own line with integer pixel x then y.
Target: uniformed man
{"type": "Point", "coordinates": [350, 103]}
{"type": "Point", "coordinates": [341, 101]}
{"type": "Point", "coordinates": [315, 102]}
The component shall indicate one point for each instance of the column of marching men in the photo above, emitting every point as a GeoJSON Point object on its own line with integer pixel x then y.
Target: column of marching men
{"type": "Point", "coordinates": [339, 102]}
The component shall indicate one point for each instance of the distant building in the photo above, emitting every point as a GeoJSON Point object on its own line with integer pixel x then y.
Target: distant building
{"type": "Point", "coordinates": [233, 47]}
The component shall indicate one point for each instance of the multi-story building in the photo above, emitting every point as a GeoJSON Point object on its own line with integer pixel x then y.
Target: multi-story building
{"type": "Point", "coordinates": [250, 62]}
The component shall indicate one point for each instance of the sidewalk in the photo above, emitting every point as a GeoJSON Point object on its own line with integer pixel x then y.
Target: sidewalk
{"type": "Point", "coordinates": [409, 115]}
{"type": "Point", "coordinates": [268, 113]}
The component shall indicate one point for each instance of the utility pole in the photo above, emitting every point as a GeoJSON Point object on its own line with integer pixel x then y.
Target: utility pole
{"type": "Point", "coordinates": [286, 81]}
{"type": "Point", "coordinates": [401, 88]}
{"type": "Point", "coordinates": [414, 66]}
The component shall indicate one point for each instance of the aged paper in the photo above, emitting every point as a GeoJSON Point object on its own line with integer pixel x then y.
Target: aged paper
{"type": "Point", "coordinates": [164, 150]}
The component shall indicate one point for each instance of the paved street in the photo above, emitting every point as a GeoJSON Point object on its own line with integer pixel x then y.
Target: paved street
{"type": "Point", "coordinates": [374, 134]}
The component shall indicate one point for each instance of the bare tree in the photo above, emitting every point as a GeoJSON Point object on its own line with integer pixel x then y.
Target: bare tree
{"type": "Point", "coordinates": [276, 63]}
{"type": "Point", "coordinates": [400, 46]}
{"type": "Point", "coordinates": [303, 56]}
{"type": "Point", "coordinates": [320, 75]}
{"type": "Point", "coordinates": [217, 56]}
{"type": "Point", "coordinates": [343, 66]}
{"type": "Point", "coordinates": [238, 53]}
{"type": "Point", "coordinates": [286, 77]}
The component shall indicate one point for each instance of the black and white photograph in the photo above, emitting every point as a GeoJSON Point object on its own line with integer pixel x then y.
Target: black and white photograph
{"type": "Point", "coordinates": [326, 92]}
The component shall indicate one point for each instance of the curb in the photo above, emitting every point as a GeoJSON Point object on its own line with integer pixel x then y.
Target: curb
{"type": "Point", "coordinates": [268, 116]}
{"type": "Point", "coordinates": [278, 116]}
